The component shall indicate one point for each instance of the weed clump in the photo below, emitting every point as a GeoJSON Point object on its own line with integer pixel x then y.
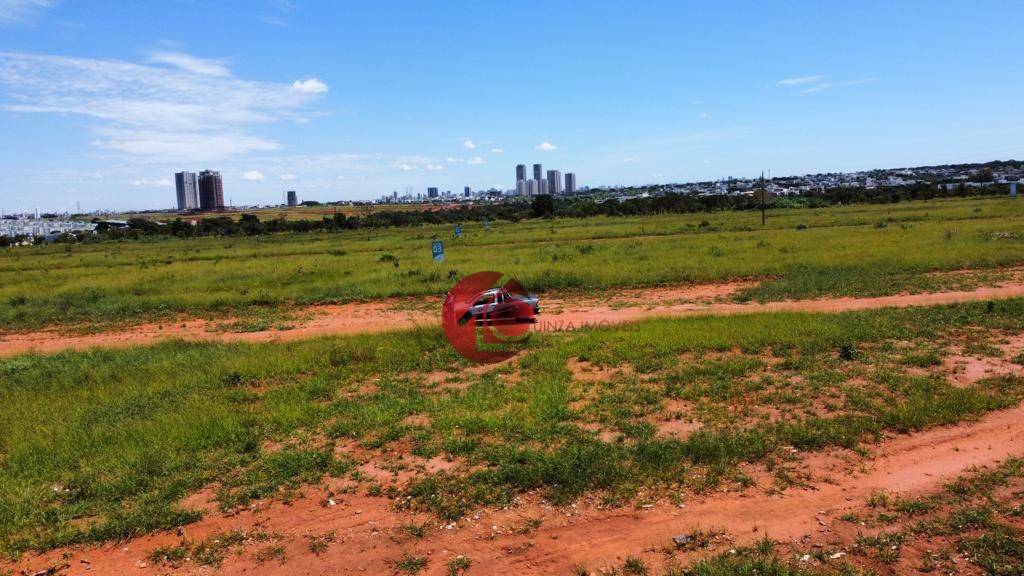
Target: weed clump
{"type": "Point", "coordinates": [849, 351]}
{"type": "Point", "coordinates": [411, 564]}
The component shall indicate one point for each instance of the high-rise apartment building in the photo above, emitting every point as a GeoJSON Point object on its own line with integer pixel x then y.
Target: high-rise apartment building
{"type": "Point", "coordinates": [211, 190]}
{"type": "Point", "coordinates": [520, 172]}
{"type": "Point", "coordinates": [533, 187]}
{"type": "Point", "coordinates": [538, 172]}
{"type": "Point", "coordinates": [570, 183]}
{"type": "Point", "coordinates": [293, 198]}
{"type": "Point", "coordinates": [554, 182]}
{"type": "Point", "coordinates": [187, 186]}
{"type": "Point", "coordinates": [432, 192]}
{"type": "Point", "coordinates": [521, 187]}
{"type": "Point", "coordinates": [542, 186]}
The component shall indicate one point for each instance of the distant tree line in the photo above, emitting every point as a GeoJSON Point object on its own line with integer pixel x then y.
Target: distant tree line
{"type": "Point", "coordinates": [544, 206]}
{"type": "Point", "coordinates": [6, 241]}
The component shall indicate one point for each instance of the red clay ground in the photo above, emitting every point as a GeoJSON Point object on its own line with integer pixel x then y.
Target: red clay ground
{"type": "Point", "coordinates": [557, 313]}
{"type": "Point", "coordinates": [534, 538]}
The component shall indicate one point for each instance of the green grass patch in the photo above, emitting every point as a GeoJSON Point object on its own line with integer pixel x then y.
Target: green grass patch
{"type": "Point", "coordinates": [840, 252]}
{"type": "Point", "coordinates": [105, 444]}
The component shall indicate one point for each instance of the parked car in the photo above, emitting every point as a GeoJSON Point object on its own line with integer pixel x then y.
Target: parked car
{"type": "Point", "coordinates": [498, 306]}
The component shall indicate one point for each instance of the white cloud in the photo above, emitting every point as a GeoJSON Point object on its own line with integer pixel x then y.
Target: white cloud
{"type": "Point", "coordinates": [159, 183]}
{"type": "Point", "coordinates": [288, 177]}
{"type": "Point", "coordinates": [310, 86]}
{"type": "Point", "coordinates": [800, 80]}
{"type": "Point", "coordinates": [253, 176]}
{"type": "Point", "coordinates": [545, 146]}
{"type": "Point", "coordinates": [497, 151]}
{"type": "Point", "coordinates": [434, 167]}
{"type": "Point", "coordinates": [189, 63]}
{"type": "Point", "coordinates": [18, 11]}
{"type": "Point", "coordinates": [406, 167]}
{"type": "Point", "coordinates": [339, 178]}
{"type": "Point", "coordinates": [629, 159]}
{"type": "Point", "coordinates": [475, 161]}
{"type": "Point", "coordinates": [830, 85]}
{"type": "Point", "coordinates": [453, 160]}
{"type": "Point", "coordinates": [705, 115]}
{"type": "Point", "coordinates": [468, 144]}
{"type": "Point", "coordinates": [168, 113]}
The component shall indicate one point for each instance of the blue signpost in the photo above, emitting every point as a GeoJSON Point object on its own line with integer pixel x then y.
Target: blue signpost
{"type": "Point", "coordinates": [437, 248]}
{"type": "Point", "coordinates": [458, 231]}
{"type": "Point", "coordinates": [487, 225]}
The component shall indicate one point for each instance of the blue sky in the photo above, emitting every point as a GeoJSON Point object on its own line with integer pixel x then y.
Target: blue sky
{"type": "Point", "coordinates": [100, 102]}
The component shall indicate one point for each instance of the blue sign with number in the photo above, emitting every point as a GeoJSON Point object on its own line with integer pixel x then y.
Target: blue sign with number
{"type": "Point", "coordinates": [437, 248]}
{"type": "Point", "coordinates": [458, 231]}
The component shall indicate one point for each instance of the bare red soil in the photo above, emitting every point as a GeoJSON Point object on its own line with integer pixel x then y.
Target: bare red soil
{"type": "Point", "coordinates": [557, 313]}
{"type": "Point", "coordinates": [368, 537]}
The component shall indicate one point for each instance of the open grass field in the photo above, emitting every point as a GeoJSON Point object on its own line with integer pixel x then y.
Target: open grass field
{"type": "Point", "coordinates": [105, 445]}
{"type": "Point", "coordinates": [794, 443]}
{"type": "Point", "coordinates": [801, 253]}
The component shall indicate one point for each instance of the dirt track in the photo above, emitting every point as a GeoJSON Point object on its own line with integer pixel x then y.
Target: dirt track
{"type": "Point", "coordinates": [370, 539]}
{"type": "Point", "coordinates": [558, 313]}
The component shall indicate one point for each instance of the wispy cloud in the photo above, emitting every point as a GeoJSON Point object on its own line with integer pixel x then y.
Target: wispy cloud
{"type": "Point", "coordinates": [818, 83]}
{"type": "Point", "coordinates": [158, 183]}
{"type": "Point", "coordinates": [497, 151]}
{"type": "Point", "coordinates": [273, 20]}
{"type": "Point", "coordinates": [280, 9]}
{"type": "Point", "coordinates": [800, 80]}
{"type": "Point", "coordinates": [469, 144]}
{"type": "Point", "coordinates": [168, 112]}
{"type": "Point", "coordinates": [189, 63]}
{"type": "Point", "coordinates": [830, 85]}
{"type": "Point", "coordinates": [545, 146]}
{"type": "Point", "coordinates": [20, 11]}
{"type": "Point", "coordinates": [475, 161]}
{"type": "Point", "coordinates": [288, 177]}
{"type": "Point", "coordinates": [181, 147]}
{"type": "Point", "coordinates": [253, 176]}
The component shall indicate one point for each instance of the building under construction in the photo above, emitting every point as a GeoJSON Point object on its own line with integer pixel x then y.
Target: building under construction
{"type": "Point", "coordinates": [211, 190]}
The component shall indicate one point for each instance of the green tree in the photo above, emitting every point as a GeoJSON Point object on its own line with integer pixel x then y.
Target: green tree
{"type": "Point", "coordinates": [543, 206]}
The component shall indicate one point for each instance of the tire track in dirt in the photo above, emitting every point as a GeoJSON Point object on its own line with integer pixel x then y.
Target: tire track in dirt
{"type": "Point", "coordinates": [557, 313]}
{"type": "Point", "coordinates": [370, 539]}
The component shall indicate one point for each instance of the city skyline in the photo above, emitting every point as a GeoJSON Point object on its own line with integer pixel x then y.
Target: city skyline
{"type": "Point", "coordinates": [102, 118]}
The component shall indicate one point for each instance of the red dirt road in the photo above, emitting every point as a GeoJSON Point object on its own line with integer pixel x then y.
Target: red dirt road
{"type": "Point", "coordinates": [369, 539]}
{"type": "Point", "coordinates": [557, 313]}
